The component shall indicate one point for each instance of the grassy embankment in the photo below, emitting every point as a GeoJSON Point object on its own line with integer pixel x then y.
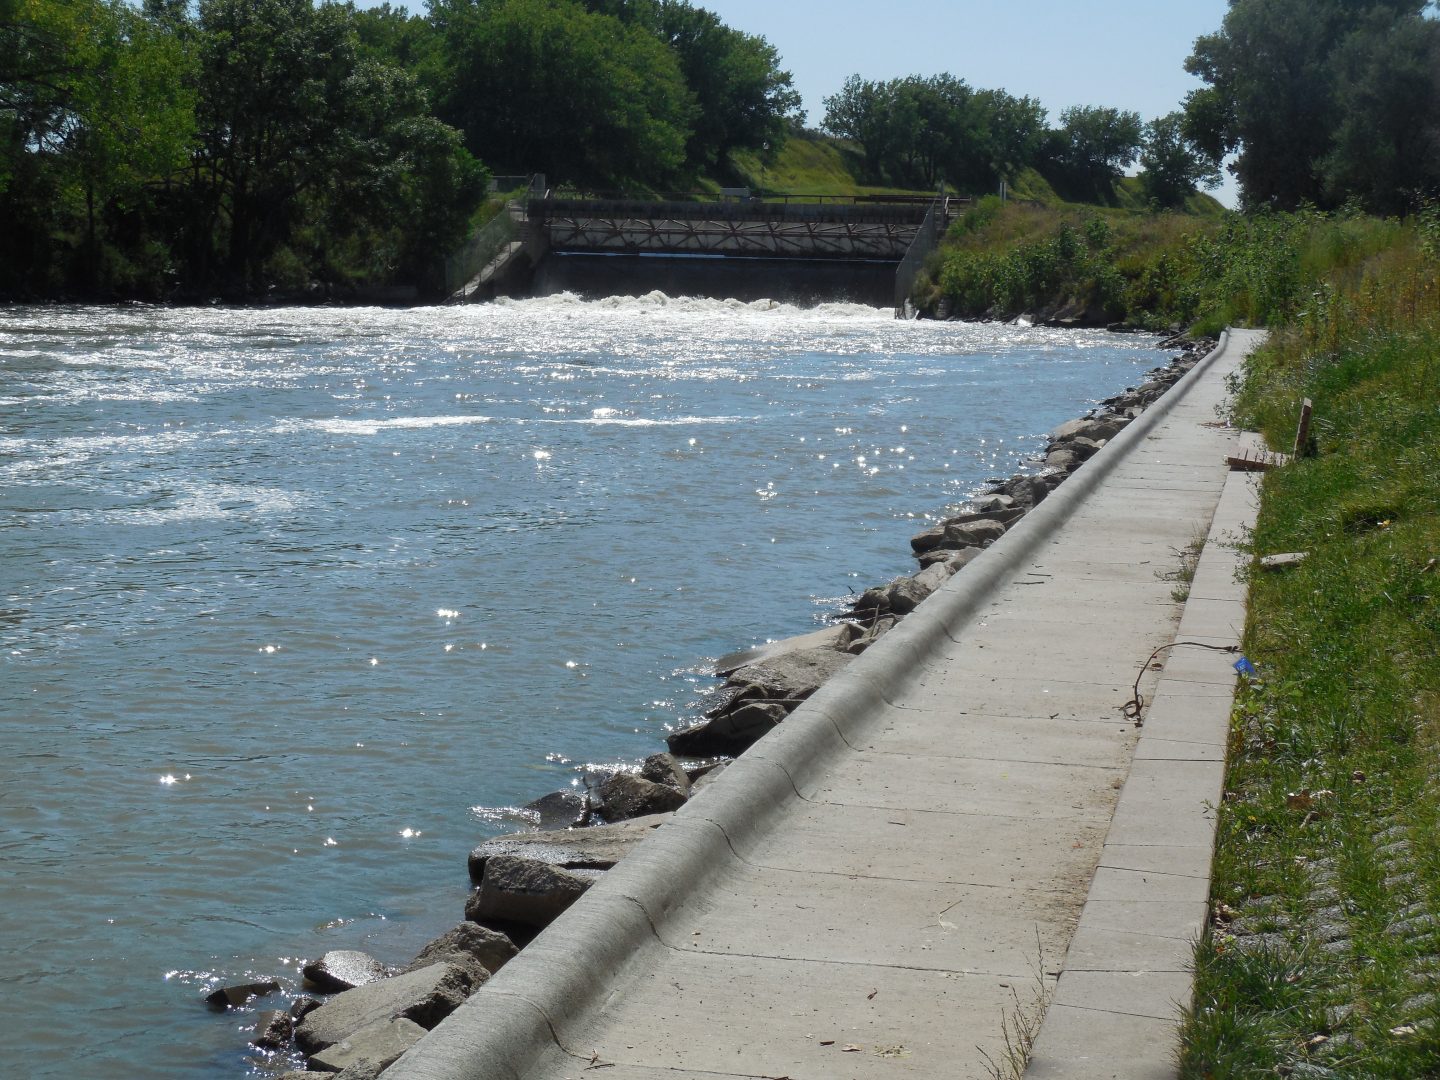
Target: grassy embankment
{"type": "Point", "coordinates": [808, 164]}
{"type": "Point", "coordinates": [1323, 954]}
{"type": "Point", "coordinates": [1201, 270]}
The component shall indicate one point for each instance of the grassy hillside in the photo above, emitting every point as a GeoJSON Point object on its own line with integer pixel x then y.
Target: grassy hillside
{"type": "Point", "coordinates": [807, 164]}
{"type": "Point", "coordinates": [1030, 186]}
{"type": "Point", "coordinates": [1321, 954]}
{"type": "Point", "coordinates": [1100, 265]}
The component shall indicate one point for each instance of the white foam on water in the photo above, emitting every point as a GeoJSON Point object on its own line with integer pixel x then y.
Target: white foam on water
{"type": "Point", "coordinates": [375, 427]}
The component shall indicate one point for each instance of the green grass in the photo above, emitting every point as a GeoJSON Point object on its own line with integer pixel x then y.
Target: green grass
{"type": "Point", "coordinates": [1156, 270]}
{"type": "Point", "coordinates": [808, 164]}
{"type": "Point", "coordinates": [1024, 257]}
{"type": "Point", "coordinates": [1324, 946]}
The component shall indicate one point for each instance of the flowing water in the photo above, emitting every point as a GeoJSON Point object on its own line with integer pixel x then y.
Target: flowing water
{"type": "Point", "coordinates": [297, 605]}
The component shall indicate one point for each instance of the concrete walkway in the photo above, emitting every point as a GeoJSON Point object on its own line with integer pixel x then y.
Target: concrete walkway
{"type": "Point", "coordinates": [871, 890]}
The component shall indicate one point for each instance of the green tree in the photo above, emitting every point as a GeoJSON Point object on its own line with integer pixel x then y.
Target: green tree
{"type": "Point", "coordinates": [917, 131]}
{"type": "Point", "coordinates": [862, 112]}
{"type": "Point", "coordinates": [298, 129]}
{"type": "Point", "coordinates": [743, 98]}
{"type": "Point", "coordinates": [1093, 146]}
{"type": "Point", "coordinates": [93, 113]}
{"type": "Point", "coordinates": [1171, 165]}
{"type": "Point", "coordinates": [394, 36]}
{"type": "Point", "coordinates": [1386, 147]}
{"type": "Point", "coordinates": [1315, 96]}
{"type": "Point", "coordinates": [1016, 133]}
{"type": "Point", "coordinates": [404, 189]}
{"type": "Point", "coordinates": [546, 86]}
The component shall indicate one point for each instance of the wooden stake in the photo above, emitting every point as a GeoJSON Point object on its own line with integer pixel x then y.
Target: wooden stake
{"type": "Point", "coordinates": [1302, 433]}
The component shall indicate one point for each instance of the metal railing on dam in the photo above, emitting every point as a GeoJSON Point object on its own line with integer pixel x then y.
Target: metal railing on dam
{"type": "Point", "coordinates": [751, 229]}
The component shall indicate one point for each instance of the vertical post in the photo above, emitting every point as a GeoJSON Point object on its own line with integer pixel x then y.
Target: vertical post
{"type": "Point", "coordinates": [1302, 433]}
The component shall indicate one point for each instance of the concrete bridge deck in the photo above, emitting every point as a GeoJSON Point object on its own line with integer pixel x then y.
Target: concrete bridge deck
{"type": "Point", "coordinates": [871, 889]}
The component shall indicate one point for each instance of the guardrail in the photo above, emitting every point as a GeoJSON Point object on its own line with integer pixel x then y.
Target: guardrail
{"type": "Point", "coordinates": [475, 254]}
{"type": "Point", "coordinates": [735, 195]}
{"type": "Point", "coordinates": [926, 240]}
{"type": "Point", "coordinates": [462, 264]}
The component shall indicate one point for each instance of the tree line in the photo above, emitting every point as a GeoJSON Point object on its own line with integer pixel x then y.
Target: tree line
{"type": "Point", "coordinates": [230, 147]}
{"type": "Point", "coordinates": [1312, 102]}
{"type": "Point", "coordinates": [1322, 102]}
{"type": "Point", "coordinates": [190, 148]}
{"type": "Point", "coordinates": [918, 131]}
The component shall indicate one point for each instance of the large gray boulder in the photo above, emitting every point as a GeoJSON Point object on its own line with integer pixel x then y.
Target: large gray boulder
{"type": "Point", "coordinates": [666, 769]}
{"type": "Point", "coordinates": [344, 969]}
{"type": "Point", "coordinates": [377, 1046]}
{"type": "Point", "coordinates": [898, 597]}
{"type": "Point", "coordinates": [831, 637]}
{"type": "Point", "coordinates": [1004, 515]}
{"type": "Point", "coordinates": [426, 996]}
{"type": "Point", "coordinates": [791, 677]}
{"type": "Point", "coordinates": [881, 626]}
{"type": "Point", "coordinates": [982, 533]}
{"type": "Point", "coordinates": [928, 539]}
{"type": "Point", "coordinates": [1062, 459]}
{"type": "Point", "coordinates": [729, 734]}
{"type": "Point", "coordinates": [273, 1029]}
{"type": "Point", "coordinates": [908, 593]}
{"type": "Point", "coordinates": [934, 576]}
{"type": "Point", "coordinates": [992, 503]}
{"type": "Point", "coordinates": [953, 559]}
{"type": "Point", "coordinates": [1027, 491]}
{"type": "Point", "coordinates": [961, 559]}
{"type": "Point", "coordinates": [234, 996]}
{"type": "Point", "coordinates": [1068, 430]}
{"type": "Point", "coordinates": [560, 810]}
{"type": "Point", "coordinates": [1098, 428]}
{"type": "Point", "coordinates": [596, 848]}
{"type": "Point", "coordinates": [468, 943]}
{"type": "Point", "coordinates": [939, 555]}
{"type": "Point", "coordinates": [525, 891]}
{"type": "Point", "coordinates": [625, 796]}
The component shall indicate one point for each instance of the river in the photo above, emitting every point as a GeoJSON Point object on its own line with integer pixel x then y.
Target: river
{"type": "Point", "coordinates": [296, 605]}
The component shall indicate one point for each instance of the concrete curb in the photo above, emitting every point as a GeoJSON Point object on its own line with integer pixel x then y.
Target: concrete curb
{"type": "Point", "coordinates": [538, 1000]}
{"type": "Point", "coordinates": [1128, 974]}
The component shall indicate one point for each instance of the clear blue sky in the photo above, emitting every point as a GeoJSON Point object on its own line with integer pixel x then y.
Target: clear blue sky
{"type": "Point", "coordinates": [1129, 54]}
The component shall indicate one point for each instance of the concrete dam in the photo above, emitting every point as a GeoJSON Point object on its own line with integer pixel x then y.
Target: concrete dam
{"type": "Point", "coordinates": [800, 249]}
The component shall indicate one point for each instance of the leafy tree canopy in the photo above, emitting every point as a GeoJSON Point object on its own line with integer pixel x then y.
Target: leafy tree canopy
{"type": "Point", "coordinates": [546, 86]}
{"type": "Point", "coordinates": [918, 131]}
{"type": "Point", "coordinates": [1171, 165]}
{"type": "Point", "coordinates": [1092, 147]}
{"type": "Point", "coordinates": [1322, 100]}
